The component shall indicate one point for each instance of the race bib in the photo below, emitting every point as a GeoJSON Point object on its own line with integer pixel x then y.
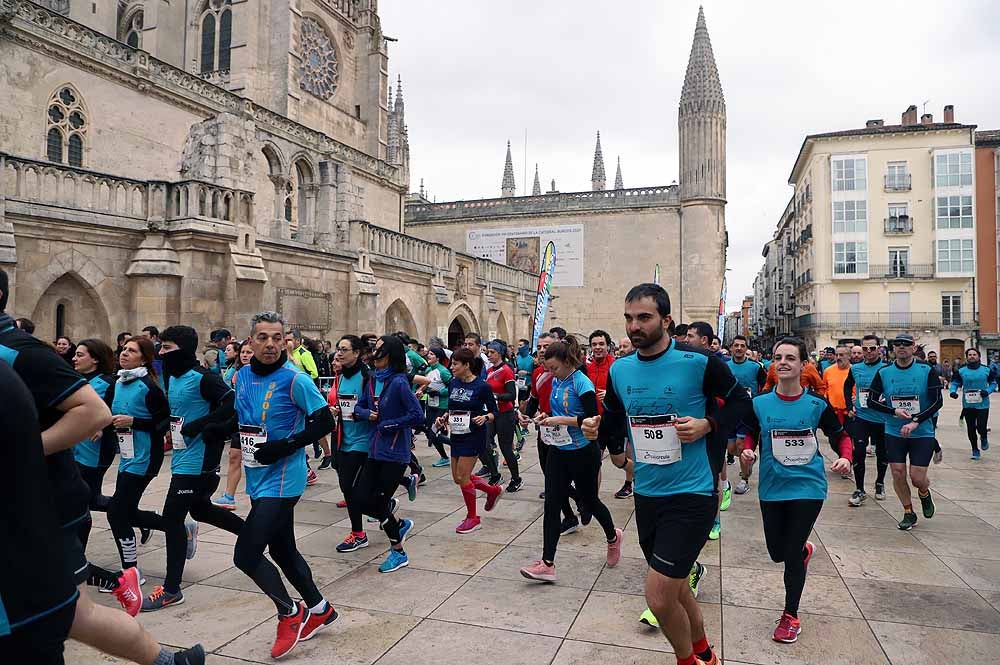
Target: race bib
{"type": "Point", "coordinates": [909, 403]}
{"type": "Point", "coordinates": [347, 404]}
{"type": "Point", "coordinates": [252, 437]}
{"type": "Point", "coordinates": [433, 401]}
{"type": "Point", "coordinates": [793, 447]}
{"type": "Point", "coordinates": [557, 435]}
{"type": "Point", "coordinates": [522, 383]}
{"type": "Point", "coordinates": [126, 442]}
{"type": "Point", "coordinates": [863, 399]}
{"type": "Point", "coordinates": [176, 438]}
{"type": "Point", "coordinates": [459, 422]}
{"type": "Point", "coordinates": [973, 397]}
{"type": "Point", "coordinates": [654, 439]}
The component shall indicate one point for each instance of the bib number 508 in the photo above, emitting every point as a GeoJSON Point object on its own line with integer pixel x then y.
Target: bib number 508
{"type": "Point", "coordinates": [652, 434]}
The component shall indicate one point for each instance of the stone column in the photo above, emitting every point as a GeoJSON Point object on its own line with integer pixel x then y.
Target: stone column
{"type": "Point", "coordinates": [155, 276]}
{"type": "Point", "coordinates": [280, 228]}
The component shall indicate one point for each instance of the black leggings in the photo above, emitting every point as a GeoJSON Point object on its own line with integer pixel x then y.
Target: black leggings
{"type": "Point", "coordinates": [543, 456]}
{"type": "Point", "coordinates": [94, 477]}
{"type": "Point", "coordinates": [503, 428]}
{"type": "Point", "coordinates": [124, 514]}
{"type": "Point", "coordinates": [581, 467]}
{"type": "Point", "coordinates": [375, 486]}
{"type": "Point", "coordinates": [786, 529]}
{"type": "Point", "coordinates": [190, 495]}
{"type": "Point", "coordinates": [862, 432]}
{"type": "Point", "coordinates": [976, 422]}
{"type": "Point", "coordinates": [271, 525]}
{"type": "Point", "coordinates": [349, 465]}
{"type": "Point", "coordinates": [437, 439]}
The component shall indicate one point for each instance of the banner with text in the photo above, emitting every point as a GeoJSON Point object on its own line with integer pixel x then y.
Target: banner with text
{"type": "Point", "coordinates": [544, 289]}
{"type": "Point", "coordinates": [522, 248]}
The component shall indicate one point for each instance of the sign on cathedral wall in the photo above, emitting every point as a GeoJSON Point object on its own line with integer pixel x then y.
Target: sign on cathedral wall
{"type": "Point", "coordinates": [522, 248]}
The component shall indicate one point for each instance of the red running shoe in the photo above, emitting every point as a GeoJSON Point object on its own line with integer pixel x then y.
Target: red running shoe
{"type": "Point", "coordinates": [128, 592]}
{"type": "Point", "coordinates": [810, 549]}
{"type": "Point", "coordinates": [311, 478]}
{"type": "Point", "coordinates": [342, 503]}
{"type": "Point", "coordinates": [289, 629]}
{"type": "Point", "coordinates": [788, 629]}
{"type": "Point", "coordinates": [317, 622]}
{"type": "Point", "coordinates": [492, 498]}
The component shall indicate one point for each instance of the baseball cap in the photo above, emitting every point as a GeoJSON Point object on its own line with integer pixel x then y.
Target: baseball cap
{"type": "Point", "coordinates": [904, 338]}
{"type": "Point", "coordinates": [220, 334]}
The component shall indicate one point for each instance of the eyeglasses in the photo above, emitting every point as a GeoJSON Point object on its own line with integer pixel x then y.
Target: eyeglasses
{"type": "Point", "coordinates": [869, 348]}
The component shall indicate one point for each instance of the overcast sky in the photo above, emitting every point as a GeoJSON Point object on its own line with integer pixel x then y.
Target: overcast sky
{"type": "Point", "coordinates": [477, 73]}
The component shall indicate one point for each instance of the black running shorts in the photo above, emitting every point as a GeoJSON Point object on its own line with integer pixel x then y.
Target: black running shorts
{"type": "Point", "coordinates": [920, 449]}
{"type": "Point", "coordinates": [673, 529]}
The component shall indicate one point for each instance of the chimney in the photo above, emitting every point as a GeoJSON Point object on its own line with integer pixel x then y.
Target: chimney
{"type": "Point", "coordinates": [910, 115]}
{"type": "Point", "coordinates": [949, 113]}
{"type": "Point", "coordinates": [927, 119]}
{"type": "Point", "coordinates": [875, 123]}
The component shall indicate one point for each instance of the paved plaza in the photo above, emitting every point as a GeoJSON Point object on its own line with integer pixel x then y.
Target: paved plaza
{"type": "Point", "coordinates": [874, 594]}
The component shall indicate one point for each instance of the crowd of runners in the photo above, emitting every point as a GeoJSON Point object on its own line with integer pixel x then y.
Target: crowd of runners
{"type": "Point", "coordinates": [668, 404]}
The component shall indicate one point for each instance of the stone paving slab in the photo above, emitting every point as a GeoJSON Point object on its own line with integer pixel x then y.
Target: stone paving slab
{"type": "Point", "coordinates": [874, 596]}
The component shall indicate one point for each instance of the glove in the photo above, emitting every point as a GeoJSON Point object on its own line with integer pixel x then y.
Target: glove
{"type": "Point", "coordinates": [272, 451]}
{"type": "Point", "coordinates": [954, 395]}
{"type": "Point", "coordinates": [192, 429]}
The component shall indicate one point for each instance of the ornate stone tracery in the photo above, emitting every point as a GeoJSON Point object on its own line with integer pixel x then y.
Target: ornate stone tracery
{"type": "Point", "coordinates": [319, 71]}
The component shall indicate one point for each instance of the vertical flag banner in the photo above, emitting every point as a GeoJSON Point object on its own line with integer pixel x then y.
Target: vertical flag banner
{"type": "Point", "coordinates": [544, 288]}
{"type": "Point", "coordinates": [656, 275]}
{"type": "Point", "coordinates": [722, 309]}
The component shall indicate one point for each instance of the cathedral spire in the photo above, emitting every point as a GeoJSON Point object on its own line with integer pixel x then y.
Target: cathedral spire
{"type": "Point", "coordinates": [536, 189]}
{"type": "Point", "coordinates": [507, 187]}
{"type": "Point", "coordinates": [702, 122]}
{"type": "Point", "coordinates": [618, 176]}
{"type": "Point", "coordinates": [399, 99]}
{"type": "Point", "coordinates": [597, 177]}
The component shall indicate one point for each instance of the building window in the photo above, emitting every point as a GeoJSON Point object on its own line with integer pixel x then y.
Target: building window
{"type": "Point", "coordinates": [955, 256]}
{"type": "Point", "coordinates": [953, 169]}
{"type": "Point", "coordinates": [850, 217]}
{"type": "Point", "coordinates": [66, 128]}
{"type": "Point", "coordinates": [850, 258]}
{"type": "Point", "coordinates": [849, 175]}
{"type": "Point", "coordinates": [216, 35]}
{"type": "Point", "coordinates": [60, 320]}
{"type": "Point", "coordinates": [899, 261]}
{"type": "Point", "coordinates": [319, 72]}
{"type": "Point", "coordinates": [951, 309]}
{"type": "Point", "coordinates": [130, 27]}
{"type": "Point", "coordinates": [954, 212]}
{"type": "Point", "coordinates": [896, 177]}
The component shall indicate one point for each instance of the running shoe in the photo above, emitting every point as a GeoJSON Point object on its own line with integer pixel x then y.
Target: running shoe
{"type": "Point", "coordinates": [730, 460]}
{"type": "Point", "coordinates": [540, 572]}
{"type": "Point", "coordinates": [870, 450]}
{"type": "Point", "coordinates": [326, 464]}
{"type": "Point", "coordinates": [908, 521]}
{"type": "Point", "coordinates": [695, 577]}
{"type": "Point", "coordinates": [411, 489]}
{"type": "Point", "coordinates": [138, 574]}
{"type": "Point", "coordinates": [405, 526]}
{"type": "Point", "coordinates": [444, 461]}
{"type": "Point", "coordinates": [160, 598]}
{"type": "Point", "coordinates": [289, 628]}
{"type": "Point", "coordinates": [496, 480]}
{"type": "Point", "coordinates": [569, 525]}
{"type": "Point", "coordinates": [742, 486]}
{"type": "Point", "coordinates": [648, 618]}
{"type": "Point", "coordinates": [311, 478]}
{"type": "Point", "coordinates": [985, 445]}
{"type": "Point", "coordinates": [880, 491]}
{"type": "Point", "coordinates": [625, 492]}
{"type": "Point", "coordinates": [857, 498]}
{"type": "Point", "coordinates": [316, 622]}
{"type": "Point", "coordinates": [810, 550]}
{"type": "Point", "coordinates": [585, 515]}
{"type": "Point", "coordinates": [976, 455]}
{"type": "Point", "coordinates": [615, 549]}
{"type": "Point", "coordinates": [845, 476]}
{"type": "Point", "coordinates": [342, 503]}
{"type": "Point", "coordinates": [938, 456]}
{"type": "Point", "coordinates": [227, 501]}
{"type": "Point", "coordinates": [714, 660]}
{"type": "Point", "coordinates": [788, 629]}
{"type": "Point", "coordinates": [514, 485]}
{"type": "Point", "coordinates": [353, 543]}
{"type": "Point", "coordinates": [716, 530]}
{"type": "Point", "coordinates": [317, 451]}
{"type": "Point", "coordinates": [541, 495]}
{"type": "Point", "coordinates": [128, 592]}
{"type": "Point", "coordinates": [926, 504]}
{"type": "Point", "coordinates": [483, 472]}
{"type": "Point", "coordinates": [193, 656]}
{"type": "Point", "coordinates": [145, 534]}
{"type": "Point", "coordinates": [423, 479]}
{"type": "Point", "coordinates": [192, 538]}
{"type": "Point", "coordinates": [727, 497]}
{"type": "Point", "coordinates": [468, 525]}
{"type": "Point", "coordinates": [397, 559]}
{"type": "Point", "coordinates": [492, 498]}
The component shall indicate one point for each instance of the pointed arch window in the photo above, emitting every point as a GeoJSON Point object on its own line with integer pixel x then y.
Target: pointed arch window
{"type": "Point", "coordinates": [130, 28]}
{"type": "Point", "coordinates": [216, 23]}
{"type": "Point", "coordinates": [66, 131]}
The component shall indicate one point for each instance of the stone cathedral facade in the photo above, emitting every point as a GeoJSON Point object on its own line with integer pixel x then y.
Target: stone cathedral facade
{"type": "Point", "coordinates": [196, 162]}
{"type": "Point", "coordinates": [613, 238]}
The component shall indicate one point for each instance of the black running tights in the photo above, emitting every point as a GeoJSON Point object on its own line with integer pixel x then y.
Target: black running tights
{"type": "Point", "coordinates": [94, 477]}
{"type": "Point", "coordinates": [786, 529]}
{"type": "Point", "coordinates": [124, 514]}
{"type": "Point", "coordinates": [376, 484]}
{"type": "Point", "coordinates": [863, 432]}
{"type": "Point", "coordinates": [976, 422]}
{"type": "Point", "coordinates": [349, 465]}
{"type": "Point", "coordinates": [578, 466]}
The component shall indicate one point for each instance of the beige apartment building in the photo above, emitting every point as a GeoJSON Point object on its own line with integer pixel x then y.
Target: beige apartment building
{"type": "Point", "coordinates": [882, 234]}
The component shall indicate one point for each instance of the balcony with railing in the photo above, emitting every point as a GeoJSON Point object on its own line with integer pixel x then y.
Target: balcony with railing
{"type": "Point", "coordinates": [881, 321]}
{"type": "Point", "coordinates": [901, 225]}
{"type": "Point", "coordinates": [901, 270]}
{"type": "Point", "coordinates": [898, 182]}
{"type": "Point", "coordinates": [803, 279]}
{"type": "Point", "coordinates": [388, 244]}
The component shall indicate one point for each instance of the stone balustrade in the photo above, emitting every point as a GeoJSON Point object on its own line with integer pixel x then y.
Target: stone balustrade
{"type": "Point", "coordinates": [382, 242]}
{"type": "Point", "coordinates": [498, 274]}
{"type": "Point", "coordinates": [195, 199]}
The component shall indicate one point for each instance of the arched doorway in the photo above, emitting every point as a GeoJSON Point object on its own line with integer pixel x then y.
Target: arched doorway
{"type": "Point", "coordinates": [398, 318]}
{"type": "Point", "coordinates": [69, 307]}
{"type": "Point", "coordinates": [503, 332]}
{"type": "Point", "coordinates": [463, 321]}
{"type": "Point", "coordinates": [456, 333]}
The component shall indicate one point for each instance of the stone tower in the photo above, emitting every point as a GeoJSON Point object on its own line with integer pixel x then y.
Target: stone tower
{"type": "Point", "coordinates": [619, 183]}
{"type": "Point", "coordinates": [536, 188]}
{"type": "Point", "coordinates": [701, 120]}
{"type": "Point", "coordinates": [597, 178]}
{"type": "Point", "coordinates": [507, 187]}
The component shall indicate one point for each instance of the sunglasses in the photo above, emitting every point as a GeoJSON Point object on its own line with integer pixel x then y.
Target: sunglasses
{"type": "Point", "coordinates": [902, 343]}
